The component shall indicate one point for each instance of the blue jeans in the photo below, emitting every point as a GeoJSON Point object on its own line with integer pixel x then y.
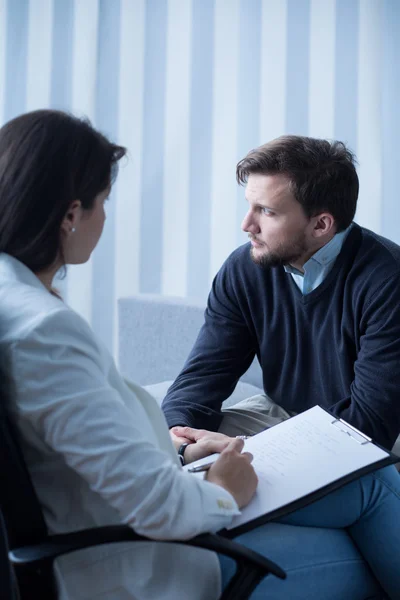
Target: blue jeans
{"type": "Point", "coordinates": [345, 546]}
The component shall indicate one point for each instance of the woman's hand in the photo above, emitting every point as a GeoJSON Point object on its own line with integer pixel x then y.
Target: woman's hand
{"type": "Point", "coordinates": [233, 471]}
{"type": "Point", "coordinates": [201, 442]}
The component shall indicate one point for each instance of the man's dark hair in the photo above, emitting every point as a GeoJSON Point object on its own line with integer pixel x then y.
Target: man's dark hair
{"type": "Point", "coordinates": [322, 174]}
{"type": "Point", "coordinates": [48, 159]}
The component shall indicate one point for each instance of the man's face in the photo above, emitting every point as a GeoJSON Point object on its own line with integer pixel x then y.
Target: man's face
{"type": "Point", "coordinates": [279, 230]}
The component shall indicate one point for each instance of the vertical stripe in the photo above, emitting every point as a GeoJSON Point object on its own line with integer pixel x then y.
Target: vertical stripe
{"type": "Point", "coordinates": [273, 70]}
{"type": "Point", "coordinates": [153, 146]}
{"type": "Point", "coordinates": [39, 54]}
{"type": "Point", "coordinates": [176, 150]}
{"type": "Point", "coordinates": [16, 50]}
{"type": "Point", "coordinates": [297, 72]}
{"type": "Point", "coordinates": [201, 91]}
{"type": "Point", "coordinates": [248, 117]}
{"type": "Point", "coordinates": [79, 278]}
{"type": "Point", "coordinates": [103, 285]}
{"type": "Point", "coordinates": [224, 148]}
{"type": "Point", "coordinates": [321, 113]}
{"type": "Point", "coordinates": [369, 128]}
{"type": "Point", "coordinates": [3, 43]}
{"type": "Point", "coordinates": [130, 133]}
{"type": "Point", "coordinates": [61, 68]}
{"type": "Point", "coordinates": [61, 78]}
{"type": "Point", "coordinates": [390, 85]}
{"type": "Point", "coordinates": [60, 73]}
{"type": "Point", "coordinates": [346, 72]}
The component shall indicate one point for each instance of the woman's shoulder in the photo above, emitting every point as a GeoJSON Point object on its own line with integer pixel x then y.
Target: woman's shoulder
{"type": "Point", "coordinates": [31, 312]}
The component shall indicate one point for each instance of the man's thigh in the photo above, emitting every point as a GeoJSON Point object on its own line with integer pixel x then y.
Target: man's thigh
{"type": "Point", "coordinates": [252, 415]}
{"type": "Point", "coordinates": [320, 563]}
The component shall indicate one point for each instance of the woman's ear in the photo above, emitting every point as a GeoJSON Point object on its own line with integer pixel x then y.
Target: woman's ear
{"type": "Point", "coordinates": [72, 217]}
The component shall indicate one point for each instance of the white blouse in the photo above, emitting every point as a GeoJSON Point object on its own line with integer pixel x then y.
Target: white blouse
{"type": "Point", "coordinates": [99, 452]}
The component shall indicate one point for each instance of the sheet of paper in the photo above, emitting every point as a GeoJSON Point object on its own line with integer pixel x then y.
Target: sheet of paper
{"type": "Point", "coordinates": [300, 456]}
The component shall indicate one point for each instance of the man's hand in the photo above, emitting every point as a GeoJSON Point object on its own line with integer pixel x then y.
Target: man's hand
{"type": "Point", "coordinates": [202, 442]}
{"type": "Point", "coordinates": [179, 439]}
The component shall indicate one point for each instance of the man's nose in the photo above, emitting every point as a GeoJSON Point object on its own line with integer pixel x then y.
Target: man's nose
{"type": "Point", "coordinates": [249, 224]}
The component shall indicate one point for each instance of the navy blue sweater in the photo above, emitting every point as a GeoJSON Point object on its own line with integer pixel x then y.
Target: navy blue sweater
{"type": "Point", "coordinates": [338, 346]}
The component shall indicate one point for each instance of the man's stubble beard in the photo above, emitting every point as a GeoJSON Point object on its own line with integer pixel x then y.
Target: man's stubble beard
{"type": "Point", "coordinates": [284, 255]}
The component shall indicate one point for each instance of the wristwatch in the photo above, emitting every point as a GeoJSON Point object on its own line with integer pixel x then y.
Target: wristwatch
{"type": "Point", "coordinates": [181, 453]}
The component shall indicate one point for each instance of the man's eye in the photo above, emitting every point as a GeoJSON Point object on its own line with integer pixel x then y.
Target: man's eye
{"type": "Point", "coordinates": [266, 211]}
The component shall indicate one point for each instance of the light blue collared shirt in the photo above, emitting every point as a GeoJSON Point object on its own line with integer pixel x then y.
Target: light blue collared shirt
{"type": "Point", "coordinates": [319, 265]}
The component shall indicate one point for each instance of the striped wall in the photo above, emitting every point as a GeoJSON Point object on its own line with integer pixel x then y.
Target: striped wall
{"type": "Point", "coordinates": [190, 86]}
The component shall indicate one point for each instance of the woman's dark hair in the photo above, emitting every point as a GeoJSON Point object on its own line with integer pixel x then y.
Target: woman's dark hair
{"type": "Point", "coordinates": [322, 174]}
{"type": "Point", "coordinates": [48, 159]}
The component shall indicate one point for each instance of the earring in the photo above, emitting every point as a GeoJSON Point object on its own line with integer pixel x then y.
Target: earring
{"type": "Point", "coordinates": [73, 230]}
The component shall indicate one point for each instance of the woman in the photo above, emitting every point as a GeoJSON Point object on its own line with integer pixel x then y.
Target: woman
{"type": "Point", "coordinates": [97, 447]}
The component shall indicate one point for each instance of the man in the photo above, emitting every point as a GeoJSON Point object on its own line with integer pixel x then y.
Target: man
{"type": "Point", "coordinates": [313, 295]}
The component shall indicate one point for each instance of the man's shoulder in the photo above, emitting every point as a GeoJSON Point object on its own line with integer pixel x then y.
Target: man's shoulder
{"type": "Point", "coordinates": [379, 254]}
{"type": "Point", "coordinates": [388, 248]}
{"type": "Point", "coordinates": [371, 268]}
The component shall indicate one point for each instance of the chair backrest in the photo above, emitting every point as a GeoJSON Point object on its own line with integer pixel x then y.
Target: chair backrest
{"type": "Point", "coordinates": [21, 516]}
{"type": "Point", "coordinates": [19, 505]}
{"type": "Point", "coordinates": [7, 584]}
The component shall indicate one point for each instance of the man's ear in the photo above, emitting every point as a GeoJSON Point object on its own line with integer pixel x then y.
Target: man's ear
{"type": "Point", "coordinates": [72, 217]}
{"type": "Point", "coordinates": [324, 225]}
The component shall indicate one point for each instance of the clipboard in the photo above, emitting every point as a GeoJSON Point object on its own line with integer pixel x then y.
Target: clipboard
{"type": "Point", "coordinates": [352, 432]}
{"type": "Point", "coordinates": [351, 435]}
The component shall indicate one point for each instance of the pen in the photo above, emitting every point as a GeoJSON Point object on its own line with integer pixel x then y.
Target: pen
{"type": "Point", "coordinates": [206, 466]}
{"type": "Point", "coordinates": [201, 468]}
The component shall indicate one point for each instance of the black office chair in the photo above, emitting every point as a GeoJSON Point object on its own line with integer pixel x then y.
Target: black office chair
{"type": "Point", "coordinates": [27, 551]}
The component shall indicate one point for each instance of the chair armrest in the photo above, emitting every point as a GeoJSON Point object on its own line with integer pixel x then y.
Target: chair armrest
{"type": "Point", "coordinates": [252, 567]}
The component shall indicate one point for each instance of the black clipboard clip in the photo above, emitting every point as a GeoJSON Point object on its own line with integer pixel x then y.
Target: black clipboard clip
{"type": "Point", "coordinates": [351, 431]}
